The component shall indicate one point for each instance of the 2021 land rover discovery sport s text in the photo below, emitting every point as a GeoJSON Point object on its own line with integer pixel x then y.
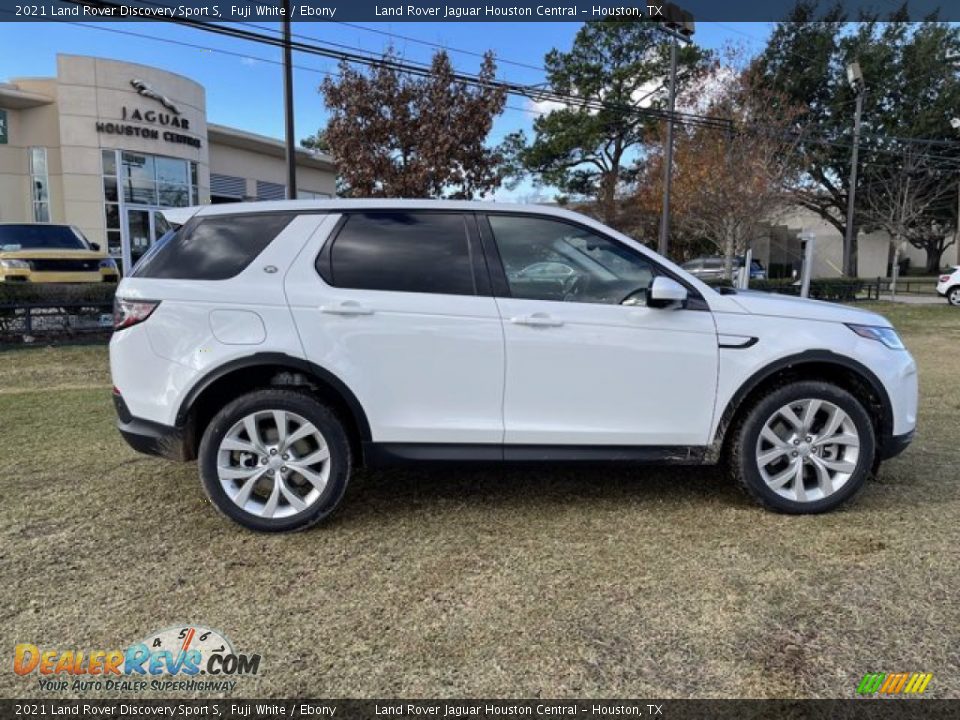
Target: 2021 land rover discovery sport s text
{"type": "Point", "coordinates": [283, 344]}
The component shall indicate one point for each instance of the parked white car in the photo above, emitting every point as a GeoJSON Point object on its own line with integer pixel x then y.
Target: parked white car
{"type": "Point", "coordinates": [283, 344]}
{"type": "Point", "coordinates": [948, 286]}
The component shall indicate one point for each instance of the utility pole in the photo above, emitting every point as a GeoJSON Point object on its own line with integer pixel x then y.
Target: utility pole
{"type": "Point", "coordinates": [855, 77]}
{"type": "Point", "coordinates": [664, 244]}
{"type": "Point", "coordinates": [291, 154]}
{"type": "Point", "coordinates": [806, 270]}
{"type": "Point", "coordinates": [678, 25]}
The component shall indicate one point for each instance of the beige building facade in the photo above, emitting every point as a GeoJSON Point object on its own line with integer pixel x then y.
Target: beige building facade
{"type": "Point", "coordinates": [781, 247]}
{"type": "Point", "coordinates": [106, 144]}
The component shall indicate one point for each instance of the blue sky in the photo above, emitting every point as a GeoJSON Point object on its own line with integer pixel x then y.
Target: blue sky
{"type": "Point", "coordinates": [244, 91]}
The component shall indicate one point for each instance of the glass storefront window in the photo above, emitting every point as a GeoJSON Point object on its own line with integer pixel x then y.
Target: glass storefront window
{"type": "Point", "coordinates": [38, 161]}
{"type": "Point", "coordinates": [110, 189]}
{"type": "Point", "coordinates": [114, 243]}
{"type": "Point", "coordinates": [142, 193]}
{"type": "Point", "coordinates": [157, 181]}
{"type": "Point", "coordinates": [40, 184]}
{"type": "Point", "coordinates": [174, 195]}
{"type": "Point", "coordinates": [110, 163]}
{"type": "Point", "coordinates": [113, 216]}
{"type": "Point", "coordinates": [40, 189]}
{"type": "Point", "coordinates": [171, 171]}
{"type": "Point", "coordinates": [134, 185]}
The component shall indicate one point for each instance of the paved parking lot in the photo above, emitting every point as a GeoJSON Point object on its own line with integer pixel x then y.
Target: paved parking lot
{"type": "Point", "coordinates": [555, 582]}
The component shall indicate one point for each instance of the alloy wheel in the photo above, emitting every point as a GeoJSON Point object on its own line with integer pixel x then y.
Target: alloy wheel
{"type": "Point", "coordinates": [807, 450]}
{"type": "Point", "coordinates": [273, 464]}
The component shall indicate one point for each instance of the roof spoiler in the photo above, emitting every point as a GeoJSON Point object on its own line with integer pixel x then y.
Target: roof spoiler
{"type": "Point", "coordinates": [178, 216]}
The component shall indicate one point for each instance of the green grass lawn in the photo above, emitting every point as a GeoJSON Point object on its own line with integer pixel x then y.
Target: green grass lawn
{"type": "Point", "coordinates": [560, 582]}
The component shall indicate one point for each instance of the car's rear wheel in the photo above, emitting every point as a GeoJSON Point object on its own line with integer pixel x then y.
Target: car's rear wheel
{"type": "Point", "coordinates": [953, 295]}
{"type": "Point", "coordinates": [275, 460]}
{"type": "Point", "coordinates": [805, 448]}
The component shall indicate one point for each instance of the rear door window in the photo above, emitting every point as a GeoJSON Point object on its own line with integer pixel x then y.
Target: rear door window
{"type": "Point", "coordinates": [213, 248]}
{"type": "Point", "coordinates": [422, 252]}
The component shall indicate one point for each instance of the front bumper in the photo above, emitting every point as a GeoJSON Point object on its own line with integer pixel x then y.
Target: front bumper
{"type": "Point", "coordinates": [149, 437]}
{"type": "Point", "coordinates": [893, 445]}
{"type": "Point", "coordinates": [60, 277]}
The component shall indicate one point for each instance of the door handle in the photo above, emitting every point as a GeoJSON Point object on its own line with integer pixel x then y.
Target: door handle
{"type": "Point", "coordinates": [348, 307]}
{"type": "Point", "coordinates": [536, 320]}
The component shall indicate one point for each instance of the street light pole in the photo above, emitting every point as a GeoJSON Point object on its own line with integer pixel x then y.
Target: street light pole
{"type": "Point", "coordinates": [291, 151]}
{"type": "Point", "coordinates": [664, 244]}
{"type": "Point", "coordinates": [679, 25]}
{"type": "Point", "coordinates": [855, 76]}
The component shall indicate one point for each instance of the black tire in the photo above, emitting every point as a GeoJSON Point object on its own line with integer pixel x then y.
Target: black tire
{"type": "Point", "coordinates": [953, 295]}
{"type": "Point", "coordinates": [743, 460]}
{"type": "Point", "coordinates": [291, 401]}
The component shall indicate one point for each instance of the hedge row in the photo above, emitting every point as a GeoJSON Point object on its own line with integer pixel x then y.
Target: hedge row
{"type": "Point", "coordinates": [27, 293]}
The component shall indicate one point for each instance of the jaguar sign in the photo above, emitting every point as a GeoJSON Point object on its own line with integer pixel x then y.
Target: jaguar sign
{"type": "Point", "coordinates": [136, 122]}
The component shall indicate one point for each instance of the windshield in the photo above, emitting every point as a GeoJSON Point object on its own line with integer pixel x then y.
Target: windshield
{"type": "Point", "coordinates": [40, 237]}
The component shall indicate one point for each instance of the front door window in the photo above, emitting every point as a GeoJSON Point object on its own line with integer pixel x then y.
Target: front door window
{"type": "Point", "coordinates": [553, 260]}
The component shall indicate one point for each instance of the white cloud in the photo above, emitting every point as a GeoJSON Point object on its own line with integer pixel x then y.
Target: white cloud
{"type": "Point", "coordinates": [642, 97]}
{"type": "Point", "coordinates": [699, 98]}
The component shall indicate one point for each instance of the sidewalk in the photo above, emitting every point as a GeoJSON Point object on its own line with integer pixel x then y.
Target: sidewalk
{"type": "Point", "coordinates": [914, 299]}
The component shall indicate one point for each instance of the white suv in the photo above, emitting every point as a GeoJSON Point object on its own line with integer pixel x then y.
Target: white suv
{"type": "Point", "coordinates": [282, 344]}
{"type": "Point", "coordinates": [948, 286]}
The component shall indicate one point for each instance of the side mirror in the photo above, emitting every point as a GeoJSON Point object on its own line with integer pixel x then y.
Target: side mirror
{"type": "Point", "coordinates": [95, 246]}
{"type": "Point", "coordinates": [664, 292]}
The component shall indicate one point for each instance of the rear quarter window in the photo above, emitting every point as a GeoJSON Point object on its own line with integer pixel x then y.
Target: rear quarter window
{"type": "Point", "coordinates": [423, 252]}
{"type": "Point", "coordinates": [213, 248]}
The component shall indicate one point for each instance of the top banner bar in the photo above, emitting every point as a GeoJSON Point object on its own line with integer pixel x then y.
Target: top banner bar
{"type": "Point", "coordinates": [452, 10]}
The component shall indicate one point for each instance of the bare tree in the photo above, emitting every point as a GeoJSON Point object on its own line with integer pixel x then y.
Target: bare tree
{"type": "Point", "coordinates": [911, 198]}
{"type": "Point", "coordinates": [728, 183]}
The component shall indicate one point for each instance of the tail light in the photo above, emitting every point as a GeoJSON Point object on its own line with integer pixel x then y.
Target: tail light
{"type": "Point", "coordinates": [945, 278]}
{"type": "Point", "coordinates": [127, 313]}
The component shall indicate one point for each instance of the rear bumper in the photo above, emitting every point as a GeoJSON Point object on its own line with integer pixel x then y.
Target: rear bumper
{"type": "Point", "coordinates": [149, 437]}
{"type": "Point", "coordinates": [893, 445]}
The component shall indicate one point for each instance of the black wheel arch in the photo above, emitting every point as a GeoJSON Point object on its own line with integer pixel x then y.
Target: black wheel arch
{"type": "Point", "coordinates": [825, 365]}
{"type": "Point", "coordinates": [226, 382]}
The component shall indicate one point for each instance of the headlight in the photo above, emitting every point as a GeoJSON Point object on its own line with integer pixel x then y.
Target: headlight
{"type": "Point", "coordinates": [108, 264]}
{"type": "Point", "coordinates": [15, 264]}
{"type": "Point", "coordinates": [887, 335]}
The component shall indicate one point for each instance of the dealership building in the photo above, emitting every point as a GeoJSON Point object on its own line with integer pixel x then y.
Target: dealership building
{"type": "Point", "coordinates": [105, 144]}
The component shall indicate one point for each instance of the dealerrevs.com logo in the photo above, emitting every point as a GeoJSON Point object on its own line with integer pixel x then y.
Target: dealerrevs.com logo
{"type": "Point", "coordinates": [188, 658]}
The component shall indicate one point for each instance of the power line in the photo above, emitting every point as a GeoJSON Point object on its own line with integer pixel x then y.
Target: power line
{"type": "Point", "coordinates": [195, 46]}
{"type": "Point", "coordinates": [440, 46]}
{"type": "Point", "coordinates": [688, 119]}
{"type": "Point", "coordinates": [512, 88]}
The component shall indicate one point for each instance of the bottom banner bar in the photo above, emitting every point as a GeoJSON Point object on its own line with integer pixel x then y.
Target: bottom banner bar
{"type": "Point", "coordinates": [872, 709]}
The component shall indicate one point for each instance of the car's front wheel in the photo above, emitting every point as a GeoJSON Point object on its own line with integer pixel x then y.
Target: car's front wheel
{"type": "Point", "coordinates": [275, 460]}
{"type": "Point", "coordinates": [805, 448]}
{"type": "Point", "coordinates": [953, 295]}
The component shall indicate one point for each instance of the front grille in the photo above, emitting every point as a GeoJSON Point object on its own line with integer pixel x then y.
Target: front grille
{"type": "Point", "coordinates": [63, 265]}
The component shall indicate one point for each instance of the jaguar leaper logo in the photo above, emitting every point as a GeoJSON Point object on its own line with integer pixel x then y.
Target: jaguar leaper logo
{"type": "Point", "coordinates": [149, 92]}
